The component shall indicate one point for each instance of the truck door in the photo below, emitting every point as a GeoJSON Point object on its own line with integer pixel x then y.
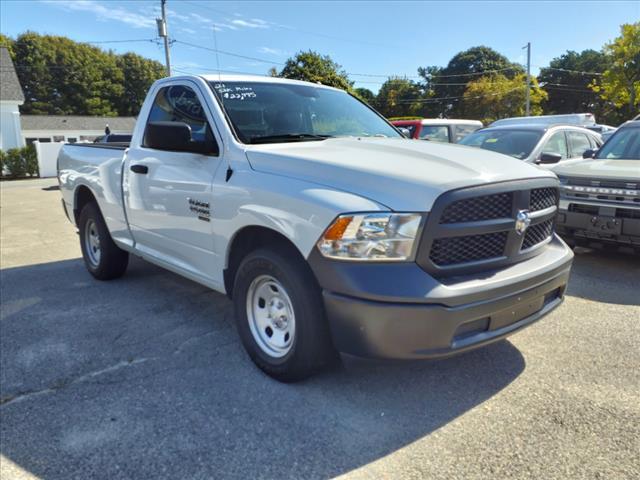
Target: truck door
{"type": "Point", "coordinates": [167, 194]}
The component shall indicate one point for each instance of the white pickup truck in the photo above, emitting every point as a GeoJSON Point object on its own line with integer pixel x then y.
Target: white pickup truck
{"type": "Point", "coordinates": [329, 230]}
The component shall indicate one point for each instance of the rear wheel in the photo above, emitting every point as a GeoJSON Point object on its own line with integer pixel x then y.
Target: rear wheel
{"type": "Point", "coordinates": [102, 257]}
{"type": "Point", "coordinates": [280, 315]}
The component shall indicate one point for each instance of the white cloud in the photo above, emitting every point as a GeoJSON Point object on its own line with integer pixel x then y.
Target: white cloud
{"type": "Point", "coordinates": [172, 14]}
{"type": "Point", "coordinates": [253, 23]}
{"type": "Point", "coordinates": [104, 13]}
{"type": "Point", "coordinates": [272, 51]}
{"type": "Point", "coordinates": [200, 18]}
{"type": "Point", "coordinates": [188, 65]}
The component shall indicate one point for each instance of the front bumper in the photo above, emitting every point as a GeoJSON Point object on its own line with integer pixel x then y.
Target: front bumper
{"type": "Point", "coordinates": [400, 311]}
{"type": "Point", "coordinates": [581, 227]}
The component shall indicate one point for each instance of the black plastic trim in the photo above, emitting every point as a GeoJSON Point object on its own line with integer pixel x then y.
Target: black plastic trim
{"type": "Point", "coordinates": [512, 252]}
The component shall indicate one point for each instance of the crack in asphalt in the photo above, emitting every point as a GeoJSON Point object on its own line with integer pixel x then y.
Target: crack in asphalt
{"type": "Point", "coordinates": [64, 383]}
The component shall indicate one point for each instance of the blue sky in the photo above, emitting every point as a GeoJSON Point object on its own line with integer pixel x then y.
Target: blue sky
{"type": "Point", "coordinates": [379, 38]}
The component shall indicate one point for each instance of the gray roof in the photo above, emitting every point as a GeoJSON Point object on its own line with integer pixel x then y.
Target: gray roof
{"type": "Point", "coordinates": [77, 122]}
{"type": "Point", "coordinates": [10, 88]}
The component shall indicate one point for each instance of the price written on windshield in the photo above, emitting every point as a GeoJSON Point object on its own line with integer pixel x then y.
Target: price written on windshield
{"type": "Point", "coordinates": [235, 93]}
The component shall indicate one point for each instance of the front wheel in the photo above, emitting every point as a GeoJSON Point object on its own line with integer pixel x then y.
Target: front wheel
{"type": "Point", "coordinates": [102, 257]}
{"type": "Point", "coordinates": [280, 315]}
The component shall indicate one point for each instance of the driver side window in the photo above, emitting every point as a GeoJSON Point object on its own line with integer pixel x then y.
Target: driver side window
{"type": "Point", "coordinates": [179, 103]}
{"type": "Point", "coordinates": [556, 144]}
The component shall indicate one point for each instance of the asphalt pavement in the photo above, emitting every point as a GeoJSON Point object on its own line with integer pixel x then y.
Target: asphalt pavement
{"type": "Point", "coordinates": [144, 377]}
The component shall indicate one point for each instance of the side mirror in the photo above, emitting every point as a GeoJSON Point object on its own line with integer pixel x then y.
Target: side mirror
{"type": "Point", "coordinates": [547, 157]}
{"type": "Point", "coordinates": [175, 137]}
{"type": "Point", "coordinates": [589, 153]}
{"type": "Point", "coordinates": [405, 132]}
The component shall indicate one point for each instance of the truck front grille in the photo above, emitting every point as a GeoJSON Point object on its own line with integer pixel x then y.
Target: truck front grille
{"type": "Point", "coordinates": [475, 228]}
{"type": "Point", "coordinates": [537, 234]}
{"type": "Point", "coordinates": [480, 208]}
{"type": "Point", "coordinates": [542, 198]}
{"type": "Point", "coordinates": [453, 250]}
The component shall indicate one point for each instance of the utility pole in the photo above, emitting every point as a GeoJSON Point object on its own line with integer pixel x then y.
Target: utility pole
{"type": "Point", "coordinates": [162, 32]}
{"type": "Point", "coordinates": [528, 104]}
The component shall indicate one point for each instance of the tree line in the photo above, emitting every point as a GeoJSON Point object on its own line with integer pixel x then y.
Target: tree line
{"type": "Point", "coordinates": [480, 83]}
{"type": "Point", "coordinates": [60, 76]}
{"type": "Point", "coordinates": [63, 77]}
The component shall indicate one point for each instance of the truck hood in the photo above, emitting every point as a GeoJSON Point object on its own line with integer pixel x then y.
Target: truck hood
{"type": "Point", "coordinates": [403, 175]}
{"type": "Point", "coordinates": [597, 169]}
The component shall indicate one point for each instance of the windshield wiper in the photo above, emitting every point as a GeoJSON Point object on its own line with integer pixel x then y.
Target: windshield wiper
{"type": "Point", "coordinates": [288, 137]}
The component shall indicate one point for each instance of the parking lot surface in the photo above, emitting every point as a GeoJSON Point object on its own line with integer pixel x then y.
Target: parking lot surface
{"type": "Point", "coordinates": [144, 377]}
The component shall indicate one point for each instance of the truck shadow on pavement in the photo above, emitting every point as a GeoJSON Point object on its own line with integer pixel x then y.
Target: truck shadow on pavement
{"type": "Point", "coordinates": [144, 377]}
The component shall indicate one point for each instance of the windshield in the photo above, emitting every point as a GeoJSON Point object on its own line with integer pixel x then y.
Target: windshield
{"type": "Point", "coordinates": [435, 133]}
{"type": "Point", "coordinates": [262, 112]}
{"type": "Point", "coordinates": [625, 144]}
{"type": "Point", "coordinates": [516, 143]}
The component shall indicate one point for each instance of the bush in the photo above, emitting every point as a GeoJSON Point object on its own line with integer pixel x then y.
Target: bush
{"type": "Point", "coordinates": [19, 162]}
{"type": "Point", "coordinates": [31, 160]}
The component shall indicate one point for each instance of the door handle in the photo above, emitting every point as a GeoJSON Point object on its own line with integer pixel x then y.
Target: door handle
{"type": "Point", "coordinates": [139, 168]}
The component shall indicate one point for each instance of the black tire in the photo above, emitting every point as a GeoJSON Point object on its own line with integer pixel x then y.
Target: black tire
{"type": "Point", "coordinates": [112, 261]}
{"type": "Point", "coordinates": [311, 347]}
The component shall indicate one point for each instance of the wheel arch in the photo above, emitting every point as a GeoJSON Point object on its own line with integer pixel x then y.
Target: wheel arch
{"type": "Point", "coordinates": [81, 197]}
{"type": "Point", "coordinates": [248, 239]}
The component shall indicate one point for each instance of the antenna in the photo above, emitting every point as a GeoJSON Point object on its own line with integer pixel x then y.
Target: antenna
{"type": "Point", "coordinates": [221, 97]}
{"type": "Point", "coordinates": [215, 45]}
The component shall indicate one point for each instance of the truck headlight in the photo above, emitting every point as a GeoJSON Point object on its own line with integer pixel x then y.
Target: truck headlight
{"type": "Point", "coordinates": [372, 236]}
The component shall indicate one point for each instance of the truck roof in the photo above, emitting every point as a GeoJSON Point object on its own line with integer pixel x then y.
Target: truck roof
{"type": "Point", "coordinates": [213, 77]}
{"type": "Point", "coordinates": [580, 119]}
{"type": "Point", "coordinates": [536, 127]}
{"type": "Point", "coordinates": [437, 121]}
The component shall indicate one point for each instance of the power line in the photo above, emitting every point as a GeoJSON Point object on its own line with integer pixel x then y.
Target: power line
{"type": "Point", "coordinates": [152, 40]}
{"type": "Point", "coordinates": [230, 54]}
{"type": "Point", "coordinates": [569, 70]}
{"type": "Point", "coordinates": [288, 27]}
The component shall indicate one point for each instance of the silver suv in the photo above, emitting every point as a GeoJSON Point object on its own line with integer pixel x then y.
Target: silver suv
{"type": "Point", "coordinates": [540, 144]}
{"type": "Point", "coordinates": [600, 196]}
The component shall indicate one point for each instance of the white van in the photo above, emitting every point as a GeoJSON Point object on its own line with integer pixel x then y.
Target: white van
{"type": "Point", "coordinates": [580, 119]}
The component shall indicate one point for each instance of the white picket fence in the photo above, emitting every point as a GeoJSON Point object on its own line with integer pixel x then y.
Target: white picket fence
{"type": "Point", "coordinates": [47, 158]}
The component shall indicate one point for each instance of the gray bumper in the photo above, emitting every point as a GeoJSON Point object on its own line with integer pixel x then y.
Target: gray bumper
{"type": "Point", "coordinates": [579, 226]}
{"type": "Point", "coordinates": [400, 311]}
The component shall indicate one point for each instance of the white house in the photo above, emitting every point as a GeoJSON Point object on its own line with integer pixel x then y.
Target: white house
{"type": "Point", "coordinates": [16, 130]}
{"type": "Point", "coordinates": [71, 128]}
{"type": "Point", "coordinates": [11, 97]}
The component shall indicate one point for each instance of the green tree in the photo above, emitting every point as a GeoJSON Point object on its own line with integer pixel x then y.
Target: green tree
{"type": "Point", "coordinates": [568, 90]}
{"type": "Point", "coordinates": [310, 66]}
{"type": "Point", "coordinates": [7, 42]}
{"type": "Point", "coordinates": [399, 97]}
{"type": "Point", "coordinates": [496, 96]}
{"type": "Point", "coordinates": [620, 83]}
{"type": "Point", "coordinates": [60, 76]}
{"type": "Point", "coordinates": [138, 75]}
{"type": "Point", "coordinates": [448, 84]}
{"type": "Point", "coordinates": [365, 95]}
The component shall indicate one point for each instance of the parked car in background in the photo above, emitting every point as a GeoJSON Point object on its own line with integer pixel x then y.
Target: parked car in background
{"type": "Point", "coordinates": [329, 230]}
{"type": "Point", "coordinates": [605, 131]}
{"type": "Point", "coordinates": [600, 196]}
{"type": "Point", "coordinates": [540, 144]}
{"type": "Point", "coordinates": [443, 130]}
{"type": "Point", "coordinates": [579, 119]}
